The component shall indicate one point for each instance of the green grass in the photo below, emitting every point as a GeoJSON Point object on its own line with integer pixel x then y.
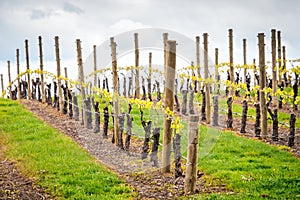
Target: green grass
{"type": "Point", "coordinates": [249, 168]}
{"type": "Point", "coordinates": [53, 159]}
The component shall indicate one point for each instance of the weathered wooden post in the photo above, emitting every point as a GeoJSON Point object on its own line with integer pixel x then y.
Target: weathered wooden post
{"type": "Point", "coordinates": [67, 96]}
{"type": "Point", "coordinates": [274, 87]}
{"type": "Point", "coordinates": [254, 72]}
{"type": "Point", "coordinates": [279, 57]}
{"type": "Point", "coordinates": [81, 81]}
{"type": "Point", "coordinates": [262, 83]}
{"type": "Point", "coordinates": [42, 68]}
{"type": "Point", "coordinates": [192, 155]}
{"type": "Point", "coordinates": [2, 86]}
{"type": "Point", "coordinates": [137, 71]}
{"type": "Point", "coordinates": [9, 79]}
{"type": "Point", "coordinates": [150, 76]}
{"type": "Point", "coordinates": [191, 102]}
{"type": "Point", "coordinates": [95, 66]}
{"type": "Point", "coordinates": [169, 103]}
{"type": "Point", "coordinates": [66, 75]}
{"type": "Point", "coordinates": [231, 79]}
{"type": "Point", "coordinates": [207, 85]}
{"type": "Point", "coordinates": [284, 66]}
{"type": "Point", "coordinates": [18, 72]}
{"type": "Point", "coordinates": [165, 41]}
{"type": "Point", "coordinates": [184, 102]}
{"type": "Point", "coordinates": [198, 62]}
{"type": "Point", "coordinates": [245, 59]}
{"type": "Point", "coordinates": [245, 103]}
{"type": "Point", "coordinates": [60, 98]}
{"type": "Point", "coordinates": [115, 89]}
{"type": "Point", "coordinates": [27, 67]}
{"type": "Point", "coordinates": [231, 69]}
{"type": "Point", "coordinates": [280, 82]}
{"type": "Point", "coordinates": [217, 78]}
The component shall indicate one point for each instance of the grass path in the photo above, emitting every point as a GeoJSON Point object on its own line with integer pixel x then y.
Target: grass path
{"type": "Point", "coordinates": [53, 159]}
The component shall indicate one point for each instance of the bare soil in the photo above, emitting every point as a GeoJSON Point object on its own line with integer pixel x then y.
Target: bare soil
{"type": "Point", "coordinates": [14, 185]}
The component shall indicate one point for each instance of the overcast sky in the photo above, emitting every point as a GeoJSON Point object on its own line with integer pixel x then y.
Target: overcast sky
{"type": "Point", "coordinates": [95, 21]}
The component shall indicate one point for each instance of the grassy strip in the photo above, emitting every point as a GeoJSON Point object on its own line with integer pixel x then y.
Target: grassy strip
{"type": "Point", "coordinates": [251, 169]}
{"type": "Point", "coordinates": [54, 160]}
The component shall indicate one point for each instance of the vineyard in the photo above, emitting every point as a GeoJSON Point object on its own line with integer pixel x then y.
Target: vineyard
{"type": "Point", "coordinates": [167, 118]}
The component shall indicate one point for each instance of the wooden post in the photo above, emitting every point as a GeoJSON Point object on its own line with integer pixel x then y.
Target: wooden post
{"type": "Point", "coordinates": [61, 101]}
{"type": "Point", "coordinates": [279, 57]}
{"type": "Point", "coordinates": [231, 70]}
{"type": "Point", "coordinates": [192, 155]}
{"type": "Point", "coordinates": [95, 65]}
{"type": "Point", "coordinates": [169, 103]}
{"type": "Point", "coordinates": [115, 89]}
{"type": "Point", "coordinates": [18, 72]}
{"type": "Point", "coordinates": [274, 71]}
{"type": "Point", "coordinates": [165, 40]}
{"type": "Point", "coordinates": [198, 61]}
{"type": "Point", "coordinates": [284, 66]}
{"type": "Point", "coordinates": [66, 75]}
{"type": "Point", "coordinates": [9, 79]}
{"type": "Point", "coordinates": [217, 78]}
{"type": "Point", "coordinates": [207, 85]}
{"type": "Point", "coordinates": [81, 80]}
{"type": "Point", "coordinates": [245, 58]}
{"type": "Point", "coordinates": [262, 82]}
{"type": "Point", "coordinates": [42, 68]}
{"type": "Point", "coordinates": [150, 76]}
{"type": "Point", "coordinates": [137, 71]}
{"type": "Point", "coordinates": [231, 79]}
{"type": "Point", "coordinates": [2, 86]}
{"type": "Point", "coordinates": [28, 73]}
{"type": "Point", "coordinates": [254, 72]}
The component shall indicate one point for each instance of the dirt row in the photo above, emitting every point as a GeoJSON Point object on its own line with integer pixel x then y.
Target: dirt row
{"type": "Point", "coordinates": [14, 185]}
